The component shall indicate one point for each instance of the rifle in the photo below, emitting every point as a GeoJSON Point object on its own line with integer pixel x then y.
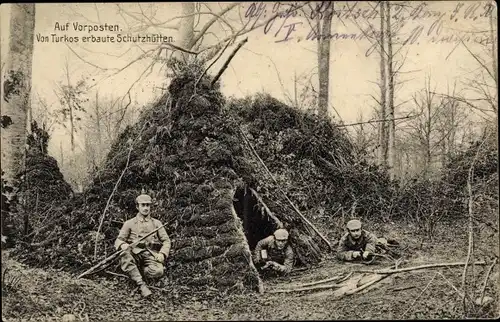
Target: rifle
{"type": "Point", "coordinates": [116, 254]}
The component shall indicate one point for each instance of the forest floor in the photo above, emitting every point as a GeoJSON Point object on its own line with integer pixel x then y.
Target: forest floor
{"type": "Point", "coordinates": [32, 294]}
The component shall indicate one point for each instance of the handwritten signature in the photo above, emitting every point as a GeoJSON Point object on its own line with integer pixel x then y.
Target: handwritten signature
{"type": "Point", "coordinates": [288, 21]}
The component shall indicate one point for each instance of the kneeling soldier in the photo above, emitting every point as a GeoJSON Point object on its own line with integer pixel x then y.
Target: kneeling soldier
{"type": "Point", "coordinates": [275, 252]}
{"type": "Point", "coordinates": [148, 256]}
{"type": "Point", "coordinates": [357, 243]}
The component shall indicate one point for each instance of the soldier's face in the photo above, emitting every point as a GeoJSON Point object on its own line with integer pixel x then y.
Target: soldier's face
{"type": "Point", "coordinates": [355, 233]}
{"type": "Point", "coordinates": [280, 243]}
{"type": "Point", "coordinates": [144, 208]}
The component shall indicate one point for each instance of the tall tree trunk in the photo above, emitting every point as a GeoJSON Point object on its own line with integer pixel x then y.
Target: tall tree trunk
{"type": "Point", "coordinates": [16, 97]}
{"type": "Point", "coordinates": [98, 120]}
{"type": "Point", "coordinates": [495, 64]}
{"type": "Point", "coordinates": [494, 52]}
{"type": "Point", "coordinates": [383, 144]}
{"type": "Point", "coordinates": [186, 29]}
{"type": "Point", "coordinates": [62, 154]}
{"type": "Point", "coordinates": [428, 129]}
{"type": "Point", "coordinates": [324, 60]}
{"type": "Point", "coordinates": [69, 101]}
{"type": "Point", "coordinates": [390, 99]}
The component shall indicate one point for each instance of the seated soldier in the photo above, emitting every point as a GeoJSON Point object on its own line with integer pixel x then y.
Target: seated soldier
{"type": "Point", "coordinates": [149, 256]}
{"type": "Point", "coordinates": [357, 243]}
{"type": "Point", "coordinates": [275, 253]}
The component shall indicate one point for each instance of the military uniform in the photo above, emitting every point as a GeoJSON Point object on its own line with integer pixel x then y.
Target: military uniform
{"type": "Point", "coordinates": [347, 245]}
{"type": "Point", "coordinates": [284, 257]}
{"type": "Point", "coordinates": [143, 255]}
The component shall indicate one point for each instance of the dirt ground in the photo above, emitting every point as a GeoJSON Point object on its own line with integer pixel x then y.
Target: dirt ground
{"type": "Point", "coordinates": [46, 295]}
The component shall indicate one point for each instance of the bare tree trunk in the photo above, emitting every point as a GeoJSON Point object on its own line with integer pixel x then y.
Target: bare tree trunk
{"type": "Point", "coordinates": [98, 120]}
{"type": "Point", "coordinates": [62, 154]}
{"type": "Point", "coordinates": [295, 89]}
{"type": "Point", "coordinates": [390, 105]}
{"type": "Point", "coordinates": [16, 94]}
{"type": "Point", "coordinates": [427, 133]}
{"type": "Point", "coordinates": [495, 63]}
{"type": "Point", "coordinates": [493, 51]}
{"type": "Point", "coordinates": [186, 29]}
{"type": "Point", "coordinates": [69, 102]}
{"type": "Point", "coordinates": [324, 61]}
{"type": "Point", "coordinates": [383, 144]}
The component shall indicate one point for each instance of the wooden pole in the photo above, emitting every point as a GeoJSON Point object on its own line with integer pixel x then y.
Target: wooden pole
{"type": "Point", "coordinates": [219, 74]}
{"type": "Point", "coordinates": [286, 197]}
{"type": "Point", "coordinates": [407, 269]}
{"type": "Point", "coordinates": [268, 211]}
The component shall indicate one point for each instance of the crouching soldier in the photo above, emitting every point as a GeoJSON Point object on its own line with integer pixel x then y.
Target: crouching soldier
{"type": "Point", "coordinates": [275, 253]}
{"type": "Point", "coordinates": [147, 259]}
{"type": "Point", "coordinates": [357, 243]}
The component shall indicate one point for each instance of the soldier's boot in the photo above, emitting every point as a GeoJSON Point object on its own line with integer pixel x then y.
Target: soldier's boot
{"type": "Point", "coordinates": [136, 276]}
{"type": "Point", "coordinates": [145, 290]}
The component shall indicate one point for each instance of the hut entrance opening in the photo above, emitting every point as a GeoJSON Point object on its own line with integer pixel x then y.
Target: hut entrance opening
{"type": "Point", "coordinates": [257, 224]}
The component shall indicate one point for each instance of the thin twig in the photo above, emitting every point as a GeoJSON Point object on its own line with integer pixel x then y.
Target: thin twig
{"type": "Point", "coordinates": [378, 121]}
{"type": "Point", "coordinates": [415, 301]}
{"type": "Point", "coordinates": [337, 279]}
{"type": "Point", "coordinates": [452, 286]}
{"type": "Point", "coordinates": [310, 288]}
{"type": "Point", "coordinates": [406, 269]}
{"type": "Point", "coordinates": [108, 202]}
{"type": "Point", "coordinates": [471, 222]}
{"type": "Point", "coordinates": [116, 274]}
{"type": "Point", "coordinates": [486, 280]}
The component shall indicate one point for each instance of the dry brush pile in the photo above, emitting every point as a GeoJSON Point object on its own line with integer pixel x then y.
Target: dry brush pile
{"type": "Point", "coordinates": [42, 191]}
{"type": "Point", "coordinates": [313, 162]}
{"type": "Point", "coordinates": [187, 150]}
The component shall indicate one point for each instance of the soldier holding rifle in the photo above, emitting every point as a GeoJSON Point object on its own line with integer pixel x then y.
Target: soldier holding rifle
{"type": "Point", "coordinates": [147, 258]}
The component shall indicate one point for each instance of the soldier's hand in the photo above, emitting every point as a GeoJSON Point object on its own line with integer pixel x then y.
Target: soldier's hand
{"type": "Point", "coordinates": [160, 257]}
{"type": "Point", "coordinates": [124, 246]}
{"type": "Point", "coordinates": [366, 254]}
{"type": "Point", "coordinates": [356, 254]}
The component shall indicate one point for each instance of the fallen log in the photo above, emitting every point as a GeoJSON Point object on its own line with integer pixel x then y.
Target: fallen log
{"type": "Point", "coordinates": [406, 269]}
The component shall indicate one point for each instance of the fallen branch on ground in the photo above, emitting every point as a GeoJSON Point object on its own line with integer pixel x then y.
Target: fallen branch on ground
{"type": "Point", "coordinates": [402, 288]}
{"type": "Point", "coordinates": [486, 279]}
{"type": "Point", "coordinates": [362, 287]}
{"type": "Point", "coordinates": [415, 301]}
{"type": "Point", "coordinates": [406, 269]}
{"type": "Point", "coordinates": [317, 287]}
{"type": "Point", "coordinates": [116, 274]}
{"type": "Point", "coordinates": [338, 279]}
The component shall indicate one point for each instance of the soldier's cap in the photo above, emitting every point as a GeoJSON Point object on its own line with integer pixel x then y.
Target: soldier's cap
{"type": "Point", "coordinates": [281, 234]}
{"type": "Point", "coordinates": [143, 199]}
{"type": "Point", "coordinates": [353, 224]}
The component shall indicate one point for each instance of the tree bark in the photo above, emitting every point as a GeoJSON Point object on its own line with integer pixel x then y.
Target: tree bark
{"type": "Point", "coordinates": [324, 61]}
{"type": "Point", "coordinates": [69, 102]}
{"type": "Point", "coordinates": [383, 144]}
{"type": "Point", "coordinates": [186, 30]}
{"type": "Point", "coordinates": [390, 98]}
{"type": "Point", "coordinates": [16, 94]}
